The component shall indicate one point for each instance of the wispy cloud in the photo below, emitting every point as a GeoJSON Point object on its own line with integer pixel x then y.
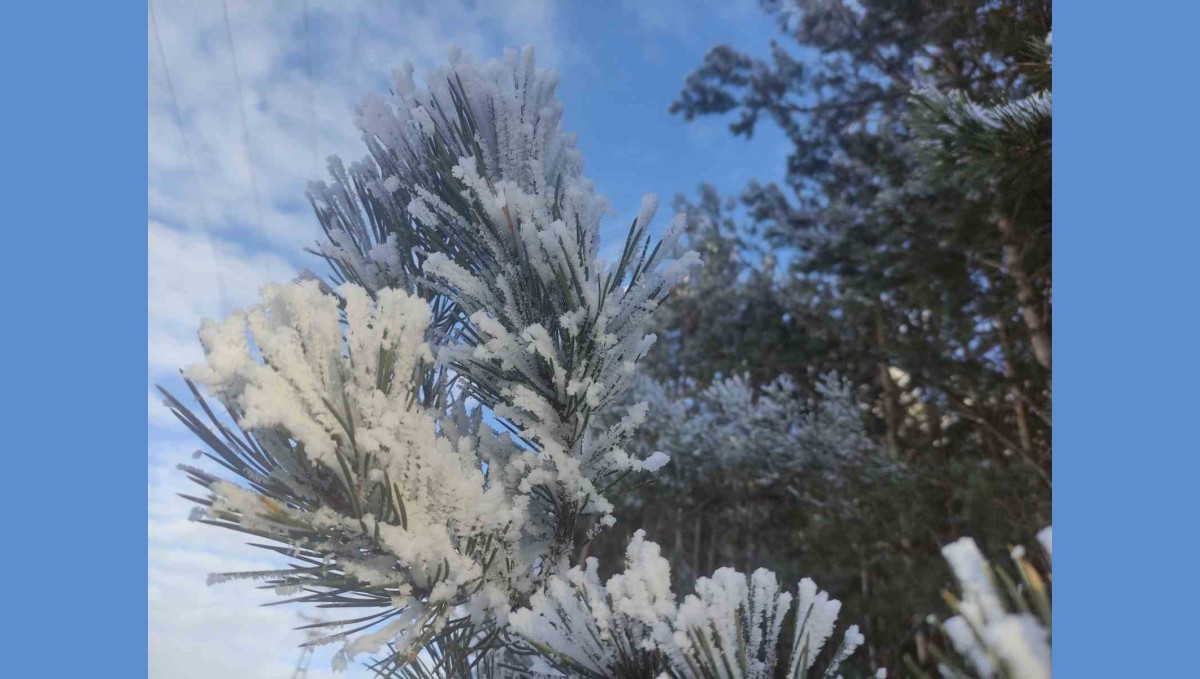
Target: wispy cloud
{"type": "Point", "coordinates": [192, 277]}
{"type": "Point", "coordinates": [296, 74]}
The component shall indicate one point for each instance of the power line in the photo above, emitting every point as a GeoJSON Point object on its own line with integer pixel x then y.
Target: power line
{"type": "Point", "coordinates": [242, 111]}
{"type": "Point", "coordinates": [306, 650]}
{"type": "Point", "coordinates": [302, 663]}
{"type": "Point", "coordinates": [312, 89]}
{"type": "Point", "coordinates": [187, 145]}
{"type": "Point", "coordinates": [357, 32]}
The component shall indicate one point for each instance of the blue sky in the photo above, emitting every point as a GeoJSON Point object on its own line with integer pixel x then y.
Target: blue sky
{"type": "Point", "coordinates": [227, 214]}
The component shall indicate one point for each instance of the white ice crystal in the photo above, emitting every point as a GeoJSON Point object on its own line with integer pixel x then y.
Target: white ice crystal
{"type": "Point", "coordinates": [343, 393]}
{"type": "Point", "coordinates": [985, 633]}
{"type": "Point", "coordinates": [580, 623]}
{"type": "Point", "coordinates": [980, 599]}
{"type": "Point", "coordinates": [817, 613]}
{"type": "Point", "coordinates": [1044, 537]}
{"type": "Point", "coordinates": [657, 460]}
{"type": "Point", "coordinates": [728, 628]}
{"type": "Point", "coordinates": [1019, 640]}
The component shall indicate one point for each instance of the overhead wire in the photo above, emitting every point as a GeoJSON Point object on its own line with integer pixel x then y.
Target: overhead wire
{"type": "Point", "coordinates": [187, 145]}
{"type": "Point", "coordinates": [312, 89]}
{"type": "Point", "coordinates": [237, 77]}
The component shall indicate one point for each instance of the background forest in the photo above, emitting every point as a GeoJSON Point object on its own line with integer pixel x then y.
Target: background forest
{"type": "Point", "coordinates": [900, 276]}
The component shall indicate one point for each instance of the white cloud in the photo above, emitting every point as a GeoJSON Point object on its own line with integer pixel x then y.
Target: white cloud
{"type": "Point", "coordinates": [193, 276]}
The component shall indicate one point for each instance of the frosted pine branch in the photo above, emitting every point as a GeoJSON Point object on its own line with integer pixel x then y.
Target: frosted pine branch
{"type": "Point", "coordinates": [475, 197]}
{"type": "Point", "coordinates": [393, 497]}
{"type": "Point", "coordinates": [1006, 142]}
{"type": "Point", "coordinates": [1001, 627]}
{"type": "Point", "coordinates": [633, 627]}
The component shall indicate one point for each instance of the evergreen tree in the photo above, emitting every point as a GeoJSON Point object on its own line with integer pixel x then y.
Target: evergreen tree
{"type": "Point", "coordinates": [918, 257]}
{"type": "Point", "coordinates": [913, 226]}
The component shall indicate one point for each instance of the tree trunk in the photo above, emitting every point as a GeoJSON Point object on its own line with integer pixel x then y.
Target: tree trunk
{"type": "Point", "coordinates": [1039, 333]}
{"type": "Point", "coordinates": [891, 393]}
{"type": "Point", "coordinates": [1020, 411]}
